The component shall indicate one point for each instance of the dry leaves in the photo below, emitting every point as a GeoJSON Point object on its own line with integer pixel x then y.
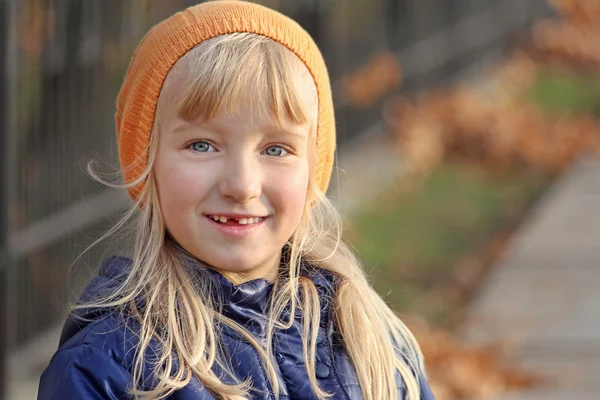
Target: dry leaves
{"type": "Point", "coordinates": [489, 123]}
{"type": "Point", "coordinates": [458, 372]}
{"type": "Point", "coordinates": [381, 75]}
{"type": "Point", "coordinates": [577, 12]}
{"type": "Point", "coordinates": [492, 126]}
{"type": "Point", "coordinates": [574, 40]}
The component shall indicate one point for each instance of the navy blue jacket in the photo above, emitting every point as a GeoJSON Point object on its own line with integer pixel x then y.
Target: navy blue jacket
{"type": "Point", "coordinates": [95, 359]}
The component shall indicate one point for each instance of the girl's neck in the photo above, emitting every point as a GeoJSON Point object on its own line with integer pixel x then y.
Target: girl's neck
{"type": "Point", "coordinates": [267, 270]}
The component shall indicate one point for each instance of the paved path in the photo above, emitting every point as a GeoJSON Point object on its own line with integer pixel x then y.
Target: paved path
{"type": "Point", "coordinates": [544, 295]}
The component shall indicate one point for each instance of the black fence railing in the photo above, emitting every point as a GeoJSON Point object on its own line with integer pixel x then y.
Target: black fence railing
{"type": "Point", "coordinates": [62, 62]}
{"type": "Point", "coordinates": [4, 34]}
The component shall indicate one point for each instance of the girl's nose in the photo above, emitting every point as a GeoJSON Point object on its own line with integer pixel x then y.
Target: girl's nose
{"type": "Point", "coordinates": [241, 180]}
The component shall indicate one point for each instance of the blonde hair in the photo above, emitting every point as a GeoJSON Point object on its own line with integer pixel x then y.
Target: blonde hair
{"type": "Point", "coordinates": [178, 319]}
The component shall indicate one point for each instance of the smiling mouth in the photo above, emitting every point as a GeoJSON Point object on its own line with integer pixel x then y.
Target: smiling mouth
{"type": "Point", "coordinates": [235, 221]}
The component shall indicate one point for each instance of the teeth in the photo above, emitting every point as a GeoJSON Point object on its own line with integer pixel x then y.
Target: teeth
{"type": "Point", "coordinates": [241, 221]}
{"type": "Point", "coordinates": [246, 221]}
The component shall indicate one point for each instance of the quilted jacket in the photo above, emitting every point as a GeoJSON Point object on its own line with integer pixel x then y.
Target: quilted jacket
{"type": "Point", "coordinates": [95, 358]}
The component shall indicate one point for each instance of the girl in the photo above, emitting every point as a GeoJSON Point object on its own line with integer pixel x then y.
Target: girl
{"type": "Point", "coordinates": [239, 286]}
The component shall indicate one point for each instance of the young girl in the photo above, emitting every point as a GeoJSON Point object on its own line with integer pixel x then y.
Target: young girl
{"type": "Point", "coordinates": [239, 286]}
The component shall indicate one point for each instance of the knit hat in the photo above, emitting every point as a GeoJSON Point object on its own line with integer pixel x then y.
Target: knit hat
{"type": "Point", "coordinates": [172, 38]}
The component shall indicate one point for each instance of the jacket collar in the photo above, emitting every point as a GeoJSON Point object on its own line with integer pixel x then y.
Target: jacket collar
{"type": "Point", "coordinates": [246, 303]}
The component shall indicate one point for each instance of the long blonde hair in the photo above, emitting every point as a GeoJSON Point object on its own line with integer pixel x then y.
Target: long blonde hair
{"type": "Point", "coordinates": [178, 319]}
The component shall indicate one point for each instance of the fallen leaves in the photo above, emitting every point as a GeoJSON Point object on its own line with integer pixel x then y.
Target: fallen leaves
{"type": "Point", "coordinates": [494, 126]}
{"type": "Point", "coordinates": [577, 12]}
{"type": "Point", "coordinates": [380, 76]}
{"type": "Point", "coordinates": [574, 39]}
{"type": "Point", "coordinates": [456, 371]}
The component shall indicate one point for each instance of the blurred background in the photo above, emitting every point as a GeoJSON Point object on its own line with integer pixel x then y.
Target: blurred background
{"type": "Point", "coordinates": [467, 137]}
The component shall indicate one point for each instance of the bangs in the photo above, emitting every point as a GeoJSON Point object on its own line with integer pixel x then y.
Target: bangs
{"type": "Point", "coordinates": [243, 71]}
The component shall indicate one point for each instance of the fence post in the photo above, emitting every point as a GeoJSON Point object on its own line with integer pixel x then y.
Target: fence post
{"type": "Point", "coordinates": [4, 24]}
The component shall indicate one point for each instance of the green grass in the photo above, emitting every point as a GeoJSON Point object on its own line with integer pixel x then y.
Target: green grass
{"type": "Point", "coordinates": [566, 92]}
{"type": "Point", "coordinates": [457, 210]}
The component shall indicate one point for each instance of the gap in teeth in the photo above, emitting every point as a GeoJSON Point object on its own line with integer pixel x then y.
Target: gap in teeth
{"type": "Point", "coordinates": [241, 221]}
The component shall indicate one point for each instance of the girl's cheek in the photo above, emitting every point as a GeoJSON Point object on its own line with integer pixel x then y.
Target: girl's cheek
{"type": "Point", "coordinates": [288, 186]}
{"type": "Point", "coordinates": [186, 181]}
{"type": "Point", "coordinates": [197, 179]}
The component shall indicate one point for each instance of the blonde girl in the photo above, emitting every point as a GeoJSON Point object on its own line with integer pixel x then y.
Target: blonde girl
{"type": "Point", "coordinates": [238, 285]}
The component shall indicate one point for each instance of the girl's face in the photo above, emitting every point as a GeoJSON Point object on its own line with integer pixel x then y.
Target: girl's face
{"type": "Point", "coordinates": [232, 190]}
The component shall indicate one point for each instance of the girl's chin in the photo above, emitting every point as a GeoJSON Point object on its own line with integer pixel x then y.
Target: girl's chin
{"type": "Point", "coordinates": [240, 272]}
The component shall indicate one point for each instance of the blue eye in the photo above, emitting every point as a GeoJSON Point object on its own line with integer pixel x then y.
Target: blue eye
{"type": "Point", "coordinates": [276, 151]}
{"type": "Point", "coordinates": [201, 147]}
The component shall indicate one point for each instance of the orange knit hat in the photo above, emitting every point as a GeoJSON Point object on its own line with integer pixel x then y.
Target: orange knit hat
{"type": "Point", "coordinates": [168, 41]}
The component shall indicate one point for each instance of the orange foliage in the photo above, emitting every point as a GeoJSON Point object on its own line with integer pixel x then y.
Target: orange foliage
{"type": "Point", "coordinates": [567, 44]}
{"type": "Point", "coordinates": [574, 40]}
{"type": "Point", "coordinates": [381, 75]}
{"type": "Point", "coordinates": [578, 12]}
{"type": "Point", "coordinates": [493, 126]}
{"type": "Point", "coordinates": [459, 372]}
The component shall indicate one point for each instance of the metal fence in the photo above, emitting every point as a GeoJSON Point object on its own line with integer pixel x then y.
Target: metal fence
{"type": "Point", "coordinates": [62, 64]}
